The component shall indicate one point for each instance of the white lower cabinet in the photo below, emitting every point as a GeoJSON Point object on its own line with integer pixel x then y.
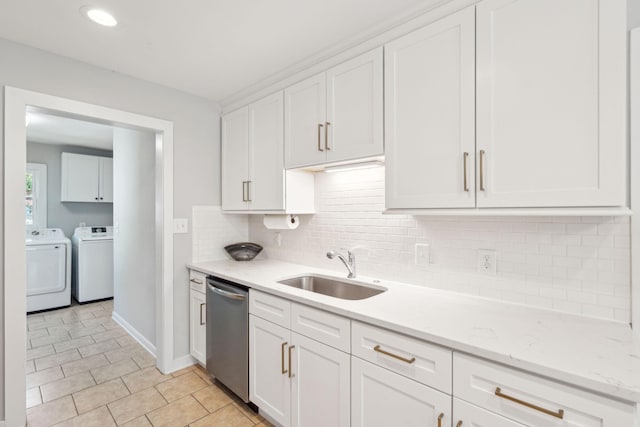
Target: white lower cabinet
{"type": "Point", "coordinates": [382, 398]}
{"type": "Point", "coordinates": [198, 317]}
{"type": "Point", "coordinates": [315, 368]}
{"type": "Point", "coordinates": [467, 415]}
{"type": "Point", "coordinates": [320, 384]}
{"type": "Point", "coordinates": [297, 381]}
{"type": "Point", "coordinates": [532, 400]}
{"type": "Point", "coordinates": [269, 383]}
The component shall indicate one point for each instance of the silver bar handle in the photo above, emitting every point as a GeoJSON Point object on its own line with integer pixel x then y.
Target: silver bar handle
{"type": "Point", "coordinates": [326, 136]}
{"type": "Point", "coordinates": [320, 125]}
{"type": "Point", "coordinates": [482, 152]}
{"type": "Point", "coordinates": [465, 156]}
{"type": "Point", "coordinates": [227, 294]}
{"type": "Point", "coordinates": [202, 305]}
{"type": "Point", "coordinates": [196, 281]}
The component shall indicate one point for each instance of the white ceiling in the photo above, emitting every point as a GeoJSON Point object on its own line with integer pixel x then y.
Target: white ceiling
{"type": "Point", "coordinates": [210, 48]}
{"type": "Point", "coordinates": [47, 129]}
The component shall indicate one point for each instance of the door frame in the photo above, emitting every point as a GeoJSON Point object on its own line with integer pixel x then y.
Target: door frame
{"type": "Point", "coordinates": [634, 175]}
{"type": "Point", "coordinates": [16, 103]}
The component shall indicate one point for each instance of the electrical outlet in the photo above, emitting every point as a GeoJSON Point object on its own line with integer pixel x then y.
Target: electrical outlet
{"type": "Point", "coordinates": [422, 254]}
{"type": "Point", "coordinates": [180, 225]}
{"type": "Point", "coordinates": [487, 261]}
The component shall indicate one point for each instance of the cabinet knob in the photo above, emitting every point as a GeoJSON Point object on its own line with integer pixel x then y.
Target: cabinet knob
{"type": "Point", "coordinates": [101, 198]}
{"type": "Point", "coordinates": [96, 198]}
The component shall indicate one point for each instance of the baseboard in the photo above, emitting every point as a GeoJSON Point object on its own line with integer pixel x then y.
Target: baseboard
{"type": "Point", "coordinates": [181, 363]}
{"type": "Point", "coordinates": [134, 333]}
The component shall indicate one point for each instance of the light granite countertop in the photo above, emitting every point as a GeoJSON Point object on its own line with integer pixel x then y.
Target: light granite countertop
{"type": "Point", "coordinates": [598, 355]}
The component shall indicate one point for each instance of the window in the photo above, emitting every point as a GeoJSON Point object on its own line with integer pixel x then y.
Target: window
{"type": "Point", "coordinates": [35, 198]}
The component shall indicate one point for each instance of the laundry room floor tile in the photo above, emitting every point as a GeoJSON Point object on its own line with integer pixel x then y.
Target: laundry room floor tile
{"type": "Point", "coordinates": [101, 376]}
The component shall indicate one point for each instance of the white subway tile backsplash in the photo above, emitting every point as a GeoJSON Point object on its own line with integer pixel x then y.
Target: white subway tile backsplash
{"type": "Point", "coordinates": [573, 264]}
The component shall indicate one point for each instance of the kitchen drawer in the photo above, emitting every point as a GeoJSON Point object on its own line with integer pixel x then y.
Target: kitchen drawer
{"type": "Point", "coordinates": [423, 362]}
{"type": "Point", "coordinates": [472, 416]}
{"type": "Point", "coordinates": [268, 307]}
{"type": "Point", "coordinates": [327, 328]}
{"type": "Point", "coordinates": [540, 401]}
{"type": "Point", "coordinates": [197, 281]}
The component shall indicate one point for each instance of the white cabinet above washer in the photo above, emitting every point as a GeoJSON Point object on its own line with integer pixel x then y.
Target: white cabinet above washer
{"type": "Point", "coordinates": [86, 178]}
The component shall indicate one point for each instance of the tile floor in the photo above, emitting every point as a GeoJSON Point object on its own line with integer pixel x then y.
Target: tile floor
{"type": "Point", "coordinates": [84, 370]}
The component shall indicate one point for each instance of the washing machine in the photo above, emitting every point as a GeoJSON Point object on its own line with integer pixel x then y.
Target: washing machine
{"type": "Point", "coordinates": [48, 269]}
{"type": "Point", "coordinates": [92, 263]}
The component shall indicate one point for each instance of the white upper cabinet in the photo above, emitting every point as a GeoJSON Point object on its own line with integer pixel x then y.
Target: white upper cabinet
{"type": "Point", "coordinates": [304, 122]}
{"type": "Point", "coordinates": [253, 175]}
{"type": "Point", "coordinates": [354, 108]}
{"type": "Point", "coordinates": [336, 115]}
{"type": "Point", "coordinates": [86, 178]}
{"type": "Point", "coordinates": [266, 153]}
{"type": "Point", "coordinates": [429, 115]}
{"type": "Point", "coordinates": [235, 159]}
{"type": "Point", "coordinates": [106, 179]}
{"type": "Point", "coordinates": [551, 103]}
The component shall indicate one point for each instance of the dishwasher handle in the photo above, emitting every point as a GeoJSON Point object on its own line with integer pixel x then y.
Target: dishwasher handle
{"type": "Point", "coordinates": [227, 294]}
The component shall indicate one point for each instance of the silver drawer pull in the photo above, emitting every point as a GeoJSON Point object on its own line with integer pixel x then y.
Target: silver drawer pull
{"type": "Point", "coordinates": [196, 281]}
{"type": "Point", "coordinates": [320, 126]}
{"type": "Point", "coordinates": [558, 414]}
{"type": "Point", "coordinates": [395, 356]}
{"type": "Point", "coordinates": [202, 322]}
{"type": "Point", "coordinates": [282, 368]}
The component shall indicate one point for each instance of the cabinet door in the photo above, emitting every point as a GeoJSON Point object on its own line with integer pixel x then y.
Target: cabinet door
{"type": "Point", "coordinates": [80, 178]}
{"type": "Point", "coordinates": [551, 102]}
{"type": "Point", "coordinates": [198, 329]}
{"type": "Point", "coordinates": [106, 180]}
{"type": "Point", "coordinates": [381, 398]}
{"type": "Point", "coordinates": [354, 108]}
{"type": "Point", "coordinates": [429, 115]}
{"type": "Point", "coordinates": [321, 384]}
{"type": "Point", "coordinates": [269, 383]}
{"type": "Point", "coordinates": [266, 153]}
{"type": "Point", "coordinates": [304, 118]}
{"type": "Point", "coordinates": [472, 416]}
{"type": "Point", "coordinates": [235, 159]}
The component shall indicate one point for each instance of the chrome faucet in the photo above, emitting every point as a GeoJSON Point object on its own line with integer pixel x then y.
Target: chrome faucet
{"type": "Point", "coordinates": [349, 262]}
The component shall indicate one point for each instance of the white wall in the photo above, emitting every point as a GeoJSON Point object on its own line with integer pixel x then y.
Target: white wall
{"type": "Point", "coordinates": [573, 264]}
{"type": "Point", "coordinates": [196, 141]}
{"type": "Point", "coordinates": [134, 240]}
{"type": "Point", "coordinates": [67, 215]}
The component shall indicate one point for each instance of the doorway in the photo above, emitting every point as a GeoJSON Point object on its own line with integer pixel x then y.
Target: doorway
{"type": "Point", "coordinates": [17, 103]}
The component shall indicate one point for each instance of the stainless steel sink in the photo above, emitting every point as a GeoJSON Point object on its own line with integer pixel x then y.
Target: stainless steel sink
{"type": "Point", "coordinates": [333, 287]}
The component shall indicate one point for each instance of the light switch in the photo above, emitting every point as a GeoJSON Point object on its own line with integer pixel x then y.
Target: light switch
{"type": "Point", "coordinates": [180, 225]}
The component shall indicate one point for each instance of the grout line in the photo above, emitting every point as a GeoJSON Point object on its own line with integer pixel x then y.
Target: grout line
{"type": "Point", "coordinates": [74, 404]}
{"type": "Point", "coordinates": [106, 405]}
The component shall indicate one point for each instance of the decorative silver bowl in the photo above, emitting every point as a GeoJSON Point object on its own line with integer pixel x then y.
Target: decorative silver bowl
{"type": "Point", "coordinates": [244, 251]}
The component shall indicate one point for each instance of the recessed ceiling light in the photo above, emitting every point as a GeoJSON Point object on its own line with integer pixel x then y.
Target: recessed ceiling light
{"type": "Point", "coordinates": [99, 16]}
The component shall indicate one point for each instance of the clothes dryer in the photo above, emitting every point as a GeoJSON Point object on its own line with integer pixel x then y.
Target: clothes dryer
{"type": "Point", "coordinates": [92, 263]}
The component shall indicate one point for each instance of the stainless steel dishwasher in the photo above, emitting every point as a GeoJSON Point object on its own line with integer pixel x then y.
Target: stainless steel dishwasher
{"type": "Point", "coordinates": [228, 335]}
